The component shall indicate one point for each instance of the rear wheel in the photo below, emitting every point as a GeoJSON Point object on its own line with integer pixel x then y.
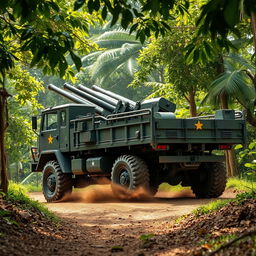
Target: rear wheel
{"type": "Point", "coordinates": [130, 172]}
{"type": "Point", "coordinates": [210, 180]}
{"type": "Point", "coordinates": [55, 183]}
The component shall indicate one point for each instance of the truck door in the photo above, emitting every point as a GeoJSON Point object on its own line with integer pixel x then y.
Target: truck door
{"type": "Point", "coordinates": [64, 131]}
{"type": "Point", "coordinates": [49, 135]}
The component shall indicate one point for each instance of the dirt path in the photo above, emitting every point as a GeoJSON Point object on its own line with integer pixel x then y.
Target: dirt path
{"type": "Point", "coordinates": [107, 222]}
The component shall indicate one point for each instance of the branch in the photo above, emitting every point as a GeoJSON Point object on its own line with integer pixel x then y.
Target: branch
{"type": "Point", "coordinates": [186, 97]}
{"type": "Point", "coordinates": [252, 232]}
{"type": "Point", "coordinates": [252, 77]}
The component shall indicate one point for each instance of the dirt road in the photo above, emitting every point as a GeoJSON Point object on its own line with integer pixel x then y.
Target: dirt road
{"type": "Point", "coordinates": [104, 222]}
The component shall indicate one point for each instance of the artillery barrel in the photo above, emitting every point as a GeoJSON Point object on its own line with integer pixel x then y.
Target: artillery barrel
{"type": "Point", "coordinates": [98, 95]}
{"type": "Point", "coordinates": [73, 98]}
{"type": "Point", "coordinates": [114, 95]}
{"type": "Point", "coordinates": [90, 98]}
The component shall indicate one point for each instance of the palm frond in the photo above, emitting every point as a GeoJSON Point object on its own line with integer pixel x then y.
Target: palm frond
{"type": "Point", "coordinates": [110, 60]}
{"type": "Point", "coordinates": [154, 84]}
{"type": "Point", "coordinates": [233, 84]}
{"type": "Point", "coordinates": [241, 61]}
{"type": "Point", "coordinates": [117, 35]}
{"type": "Point", "coordinates": [111, 44]}
{"type": "Point", "coordinates": [90, 58]}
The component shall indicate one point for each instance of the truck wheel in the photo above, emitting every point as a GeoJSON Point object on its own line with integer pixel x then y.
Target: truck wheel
{"type": "Point", "coordinates": [130, 172]}
{"type": "Point", "coordinates": [55, 183]}
{"type": "Point", "coordinates": [210, 181]}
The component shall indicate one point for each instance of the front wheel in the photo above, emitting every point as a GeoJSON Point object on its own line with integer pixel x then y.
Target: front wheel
{"type": "Point", "coordinates": [130, 172]}
{"type": "Point", "coordinates": [210, 180]}
{"type": "Point", "coordinates": [55, 183]}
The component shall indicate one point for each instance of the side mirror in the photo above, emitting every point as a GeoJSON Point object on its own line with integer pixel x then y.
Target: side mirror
{"type": "Point", "coordinates": [34, 122]}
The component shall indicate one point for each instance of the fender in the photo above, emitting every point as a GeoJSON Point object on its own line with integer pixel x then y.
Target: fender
{"type": "Point", "coordinates": [49, 155]}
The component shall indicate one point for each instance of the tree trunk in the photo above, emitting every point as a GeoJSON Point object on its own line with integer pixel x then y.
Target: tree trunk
{"type": "Point", "coordinates": [231, 163]}
{"type": "Point", "coordinates": [3, 125]}
{"type": "Point", "coordinates": [192, 104]}
{"type": "Point", "coordinates": [251, 118]}
{"type": "Point", "coordinates": [253, 19]}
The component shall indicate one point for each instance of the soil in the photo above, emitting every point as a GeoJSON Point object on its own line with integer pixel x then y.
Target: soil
{"type": "Point", "coordinates": [96, 222]}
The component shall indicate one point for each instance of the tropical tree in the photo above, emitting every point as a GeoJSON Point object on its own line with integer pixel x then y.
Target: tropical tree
{"type": "Point", "coordinates": [219, 20]}
{"type": "Point", "coordinates": [36, 33]}
{"type": "Point", "coordinates": [48, 31]}
{"type": "Point", "coordinates": [163, 62]}
{"type": "Point", "coordinates": [144, 18]}
{"type": "Point", "coordinates": [238, 83]}
{"type": "Point", "coordinates": [114, 64]}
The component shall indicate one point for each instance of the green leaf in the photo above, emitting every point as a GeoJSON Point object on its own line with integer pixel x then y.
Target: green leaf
{"type": "Point", "coordinates": [251, 145]}
{"type": "Point", "coordinates": [54, 6]}
{"type": "Point", "coordinates": [133, 27]}
{"type": "Point", "coordinates": [238, 146]}
{"type": "Point", "coordinates": [104, 13]}
{"type": "Point", "coordinates": [96, 5]}
{"type": "Point", "coordinates": [90, 6]}
{"type": "Point", "coordinates": [155, 4]}
{"type": "Point", "coordinates": [114, 18]}
{"type": "Point", "coordinates": [232, 12]}
{"type": "Point", "coordinates": [127, 18]}
{"type": "Point", "coordinates": [63, 65]}
{"type": "Point", "coordinates": [78, 4]}
{"type": "Point", "coordinates": [141, 36]}
{"type": "Point", "coordinates": [196, 56]}
{"type": "Point", "coordinates": [76, 60]}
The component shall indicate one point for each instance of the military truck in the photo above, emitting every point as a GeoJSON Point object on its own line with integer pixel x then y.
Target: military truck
{"type": "Point", "coordinates": [133, 144]}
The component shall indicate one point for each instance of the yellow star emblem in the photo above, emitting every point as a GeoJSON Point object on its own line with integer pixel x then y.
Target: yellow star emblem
{"type": "Point", "coordinates": [50, 139]}
{"type": "Point", "coordinates": [199, 125]}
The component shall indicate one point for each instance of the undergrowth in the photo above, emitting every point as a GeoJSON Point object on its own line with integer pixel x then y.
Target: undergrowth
{"type": "Point", "coordinates": [232, 183]}
{"type": "Point", "coordinates": [241, 184]}
{"type": "Point", "coordinates": [33, 188]}
{"type": "Point", "coordinates": [17, 195]}
{"type": "Point", "coordinates": [165, 187]}
{"type": "Point", "coordinates": [210, 207]}
{"type": "Point", "coordinates": [218, 204]}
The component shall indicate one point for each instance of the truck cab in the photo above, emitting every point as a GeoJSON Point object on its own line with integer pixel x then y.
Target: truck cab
{"type": "Point", "coordinates": [54, 135]}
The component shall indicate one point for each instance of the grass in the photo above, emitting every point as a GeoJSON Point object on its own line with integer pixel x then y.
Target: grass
{"type": "Point", "coordinates": [18, 194]}
{"type": "Point", "coordinates": [33, 188]}
{"type": "Point", "coordinates": [211, 207]}
{"type": "Point", "coordinates": [165, 187]}
{"type": "Point", "coordinates": [234, 183]}
{"type": "Point", "coordinates": [240, 184]}
{"type": "Point", "coordinates": [213, 244]}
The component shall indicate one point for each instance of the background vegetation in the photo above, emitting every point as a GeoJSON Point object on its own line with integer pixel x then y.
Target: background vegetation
{"type": "Point", "coordinates": [175, 50]}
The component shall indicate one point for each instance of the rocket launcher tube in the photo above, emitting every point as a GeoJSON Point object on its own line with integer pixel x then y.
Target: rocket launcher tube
{"type": "Point", "coordinates": [73, 97]}
{"type": "Point", "coordinates": [98, 95]}
{"type": "Point", "coordinates": [89, 97]}
{"type": "Point", "coordinates": [114, 95]}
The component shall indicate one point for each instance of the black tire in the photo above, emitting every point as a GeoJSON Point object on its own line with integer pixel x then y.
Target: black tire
{"type": "Point", "coordinates": [130, 172]}
{"type": "Point", "coordinates": [55, 183]}
{"type": "Point", "coordinates": [210, 180]}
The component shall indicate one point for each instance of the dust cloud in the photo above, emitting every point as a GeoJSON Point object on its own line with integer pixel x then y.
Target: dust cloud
{"type": "Point", "coordinates": [104, 191]}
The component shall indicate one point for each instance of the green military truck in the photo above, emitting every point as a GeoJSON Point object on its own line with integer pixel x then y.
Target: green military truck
{"type": "Point", "coordinates": [133, 144]}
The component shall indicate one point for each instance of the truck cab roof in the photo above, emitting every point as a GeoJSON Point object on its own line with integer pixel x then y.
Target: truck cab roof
{"type": "Point", "coordinates": [72, 105]}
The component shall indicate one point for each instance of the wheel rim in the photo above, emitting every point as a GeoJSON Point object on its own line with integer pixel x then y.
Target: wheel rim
{"type": "Point", "coordinates": [124, 178]}
{"type": "Point", "coordinates": [50, 184]}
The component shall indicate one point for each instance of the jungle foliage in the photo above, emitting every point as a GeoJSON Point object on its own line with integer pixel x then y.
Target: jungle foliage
{"type": "Point", "coordinates": [181, 55]}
